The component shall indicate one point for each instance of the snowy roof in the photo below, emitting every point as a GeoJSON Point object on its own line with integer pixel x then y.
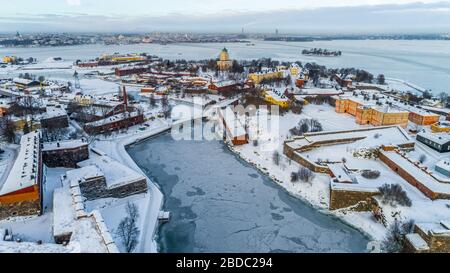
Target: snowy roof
{"type": "Point", "coordinates": [266, 70]}
{"type": "Point", "coordinates": [427, 180]}
{"type": "Point", "coordinates": [321, 91]}
{"type": "Point", "coordinates": [85, 173]}
{"type": "Point", "coordinates": [440, 110]}
{"type": "Point", "coordinates": [61, 145]}
{"type": "Point", "coordinates": [224, 83]}
{"type": "Point", "coordinates": [63, 212]}
{"type": "Point", "coordinates": [85, 235]}
{"type": "Point", "coordinates": [339, 173]}
{"type": "Point", "coordinates": [444, 164]}
{"type": "Point", "coordinates": [32, 247]}
{"type": "Point", "coordinates": [52, 111]}
{"type": "Point", "coordinates": [391, 135]}
{"type": "Point", "coordinates": [24, 172]}
{"type": "Point", "coordinates": [437, 228]}
{"type": "Point", "coordinates": [112, 119]}
{"type": "Point", "coordinates": [444, 124]}
{"type": "Point", "coordinates": [388, 104]}
{"type": "Point", "coordinates": [276, 95]}
{"type": "Point", "coordinates": [439, 138]}
{"type": "Point", "coordinates": [420, 111]}
{"type": "Point", "coordinates": [388, 109]}
{"type": "Point", "coordinates": [357, 187]}
{"type": "Point", "coordinates": [116, 174]}
{"type": "Point", "coordinates": [22, 81]}
{"type": "Point", "coordinates": [235, 127]}
{"type": "Point", "coordinates": [417, 242]}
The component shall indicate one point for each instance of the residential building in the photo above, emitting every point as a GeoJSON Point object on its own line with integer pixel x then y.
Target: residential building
{"type": "Point", "coordinates": [423, 118]}
{"type": "Point", "coordinates": [343, 81]}
{"type": "Point", "coordinates": [441, 127]}
{"type": "Point", "coordinates": [126, 71]}
{"type": "Point", "coordinates": [9, 59]}
{"type": "Point", "coordinates": [84, 99]}
{"type": "Point", "coordinates": [437, 141]}
{"type": "Point", "coordinates": [21, 192]}
{"type": "Point", "coordinates": [55, 117]}
{"type": "Point", "coordinates": [275, 97]}
{"type": "Point", "coordinates": [115, 122]}
{"type": "Point", "coordinates": [25, 83]}
{"type": "Point", "coordinates": [234, 131]}
{"type": "Point", "coordinates": [443, 167]}
{"type": "Point", "coordinates": [225, 88]}
{"type": "Point", "coordinates": [369, 113]}
{"type": "Point", "coordinates": [266, 74]}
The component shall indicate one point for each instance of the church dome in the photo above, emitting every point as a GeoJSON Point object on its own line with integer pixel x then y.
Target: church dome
{"type": "Point", "coordinates": [224, 55]}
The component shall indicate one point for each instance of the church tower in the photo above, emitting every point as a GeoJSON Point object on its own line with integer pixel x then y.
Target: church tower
{"type": "Point", "coordinates": [224, 62]}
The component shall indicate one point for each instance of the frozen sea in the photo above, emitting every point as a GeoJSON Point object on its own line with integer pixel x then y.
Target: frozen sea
{"type": "Point", "coordinates": [219, 203]}
{"type": "Point", "coordinates": [424, 63]}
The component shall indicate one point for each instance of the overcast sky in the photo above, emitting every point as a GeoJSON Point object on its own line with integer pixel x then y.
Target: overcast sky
{"type": "Point", "coordinates": [289, 16]}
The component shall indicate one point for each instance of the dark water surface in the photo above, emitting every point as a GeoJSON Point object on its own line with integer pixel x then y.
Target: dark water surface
{"type": "Point", "coordinates": [220, 203]}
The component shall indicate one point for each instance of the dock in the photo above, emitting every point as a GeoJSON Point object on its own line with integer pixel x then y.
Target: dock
{"type": "Point", "coordinates": [164, 216]}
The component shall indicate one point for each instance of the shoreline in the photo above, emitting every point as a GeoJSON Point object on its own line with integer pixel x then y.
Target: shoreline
{"type": "Point", "coordinates": [279, 183]}
{"type": "Point", "coordinates": [156, 199]}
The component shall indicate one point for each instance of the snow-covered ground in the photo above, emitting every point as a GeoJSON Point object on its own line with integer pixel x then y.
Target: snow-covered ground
{"type": "Point", "coordinates": [113, 211]}
{"type": "Point", "coordinates": [151, 203]}
{"type": "Point", "coordinates": [52, 182]}
{"type": "Point", "coordinates": [317, 192]}
{"type": "Point", "coordinates": [32, 228]}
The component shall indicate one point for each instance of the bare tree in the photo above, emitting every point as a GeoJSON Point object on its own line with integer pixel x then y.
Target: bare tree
{"type": "Point", "coordinates": [276, 158]}
{"type": "Point", "coordinates": [422, 158]}
{"type": "Point", "coordinates": [128, 230]}
{"type": "Point", "coordinates": [294, 177]}
{"type": "Point", "coordinates": [167, 111]}
{"type": "Point", "coordinates": [306, 125]}
{"type": "Point", "coordinates": [394, 241]}
{"type": "Point", "coordinates": [305, 174]}
{"type": "Point", "coordinates": [152, 100]}
{"type": "Point", "coordinates": [7, 129]}
{"type": "Point", "coordinates": [164, 101]}
{"type": "Point", "coordinates": [394, 194]}
{"type": "Point", "coordinates": [443, 97]}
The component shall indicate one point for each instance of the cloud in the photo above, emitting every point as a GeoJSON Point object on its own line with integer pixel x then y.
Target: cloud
{"type": "Point", "coordinates": [393, 18]}
{"type": "Point", "coordinates": [73, 2]}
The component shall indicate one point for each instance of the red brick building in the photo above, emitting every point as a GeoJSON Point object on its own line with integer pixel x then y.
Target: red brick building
{"type": "Point", "coordinates": [114, 123]}
{"type": "Point", "coordinates": [120, 72]}
{"type": "Point", "coordinates": [225, 88]}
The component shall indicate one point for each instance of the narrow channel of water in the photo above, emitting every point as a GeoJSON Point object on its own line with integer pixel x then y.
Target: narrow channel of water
{"type": "Point", "coordinates": [220, 203]}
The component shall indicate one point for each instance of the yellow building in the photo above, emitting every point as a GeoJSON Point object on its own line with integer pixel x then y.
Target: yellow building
{"type": "Point", "coordinates": [374, 115]}
{"type": "Point", "coordinates": [224, 62]}
{"type": "Point", "coordinates": [441, 127]}
{"type": "Point", "coordinates": [258, 77]}
{"type": "Point", "coordinates": [83, 99]}
{"type": "Point", "coordinates": [19, 124]}
{"type": "Point", "coordinates": [295, 70]}
{"type": "Point", "coordinates": [122, 58]}
{"type": "Point", "coordinates": [275, 97]}
{"type": "Point", "coordinates": [128, 59]}
{"type": "Point", "coordinates": [9, 59]}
